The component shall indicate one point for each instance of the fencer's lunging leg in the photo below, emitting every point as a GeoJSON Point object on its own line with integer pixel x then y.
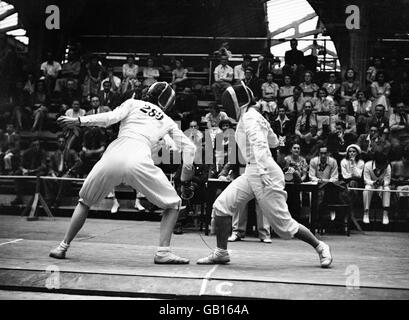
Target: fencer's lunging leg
{"type": "Point", "coordinates": [222, 228]}
{"type": "Point", "coordinates": [167, 224]}
{"type": "Point", "coordinates": [306, 235]}
{"type": "Point", "coordinates": [77, 221]}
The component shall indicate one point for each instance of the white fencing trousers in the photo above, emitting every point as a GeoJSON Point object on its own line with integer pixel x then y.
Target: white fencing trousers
{"type": "Point", "coordinates": [272, 200]}
{"type": "Point", "coordinates": [129, 161]}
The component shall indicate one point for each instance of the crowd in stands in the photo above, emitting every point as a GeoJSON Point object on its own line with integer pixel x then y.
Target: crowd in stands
{"type": "Point", "coordinates": [336, 131]}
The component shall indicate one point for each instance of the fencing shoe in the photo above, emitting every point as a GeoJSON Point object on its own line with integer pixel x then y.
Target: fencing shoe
{"type": "Point", "coordinates": [59, 252]}
{"type": "Point", "coordinates": [215, 258]}
{"type": "Point", "coordinates": [324, 253]}
{"type": "Point", "coordinates": [169, 258]}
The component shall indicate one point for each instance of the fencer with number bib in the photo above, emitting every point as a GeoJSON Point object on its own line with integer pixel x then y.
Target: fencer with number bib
{"type": "Point", "coordinates": [143, 123]}
{"type": "Point", "coordinates": [263, 179]}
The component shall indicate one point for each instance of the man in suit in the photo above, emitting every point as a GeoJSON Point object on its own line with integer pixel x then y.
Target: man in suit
{"type": "Point", "coordinates": [107, 97]}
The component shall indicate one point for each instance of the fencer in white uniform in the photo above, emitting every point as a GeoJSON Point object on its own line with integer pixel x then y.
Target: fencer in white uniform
{"type": "Point", "coordinates": [263, 179]}
{"type": "Point", "coordinates": [143, 123]}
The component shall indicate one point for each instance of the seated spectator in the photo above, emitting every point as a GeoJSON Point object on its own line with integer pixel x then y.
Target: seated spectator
{"type": "Point", "coordinates": [305, 121]}
{"type": "Point", "coordinates": [284, 129]}
{"type": "Point", "coordinates": [333, 88]}
{"type": "Point", "coordinates": [240, 69]}
{"type": "Point", "coordinates": [130, 75]}
{"type": "Point", "coordinates": [379, 119]}
{"type": "Point", "coordinates": [75, 111]}
{"type": "Point", "coordinates": [70, 70]}
{"type": "Point", "coordinates": [196, 136]}
{"type": "Point", "coordinates": [212, 120]}
{"type": "Point", "coordinates": [262, 68]}
{"type": "Point", "coordinates": [308, 87]}
{"type": "Point", "coordinates": [96, 106]}
{"type": "Point", "coordinates": [350, 87]}
{"type": "Point", "coordinates": [323, 104]}
{"type": "Point", "coordinates": [179, 75]}
{"type": "Point", "coordinates": [29, 85]}
{"type": "Point", "coordinates": [343, 116]}
{"type": "Point", "coordinates": [150, 73]}
{"type": "Point", "coordinates": [372, 142]}
{"type": "Point", "coordinates": [377, 175]}
{"type": "Point", "coordinates": [107, 97]}
{"type": "Point", "coordinates": [223, 77]}
{"type": "Point", "coordinates": [400, 181]}
{"type": "Point", "coordinates": [33, 163]}
{"type": "Point", "coordinates": [324, 170]}
{"type": "Point", "coordinates": [51, 70]}
{"type": "Point", "coordinates": [399, 128]}
{"type": "Point", "coordinates": [115, 81]}
{"type": "Point", "coordinates": [295, 168]}
{"type": "Point", "coordinates": [224, 143]}
{"type": "Point", "coordinates": [338, 141]}
{"type": "Point", "coordinates": [294, 58]}
{"type": "Point", "coordinates": [352, 167]}
{"type": "Point", "coordinates": [186, 108]}
{"type": "Point", "coordinates": [19, 108]}
{"type": "Point", "coordinates": [373, 70]}
{"type": "Point", "coordinates": [253, 83]}
{"type": "Point", "coordinates": [73, 134]}
{"type": "Point", "coordinates": [223, 51]}
{"type": "Point", "coordinates": [286, 90]}
{"type": "Point", "coordinates": [381, 90]}
{"type": "Point", "coordinates": [9, 149]}
{"type": "Point", "coordinates": [362, 111]}
{"type": "Point", "coordinates": [40, 106]}
{"type": "Point", "coordinates": [269, 94]}
{"type": "Point", "coordinates": [69, 94]}
{"type": "Point", "coordinates": [92, 81]}
{"type": "Point", "coordinates": [295, 104]}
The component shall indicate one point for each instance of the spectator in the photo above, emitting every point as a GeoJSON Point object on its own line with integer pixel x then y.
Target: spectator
{"type": "Point", "coordinates": [379, 119]}
{"type": "Point", "coordinates": [40, 106]}
{"type": "Point", "coordinates": [324, 170]}
{"type": "Point", "coordinates": [377, 175]}
{"type": "Point", "coordinates": [262, 68]}
{"type": "Point", "coordinates": [70, 70]}
{"type": "Point", "coordinates": [253, 83]}
{"type": "Point", "coordinates": [269, 94]}
{"type": "Point", "coordinates": [214, 117]}
{"type": "Point", "coordinates": [115, 81]}
{"type": "Point", "coordinates": [223, 77]}
{"type": "Point", "coordinates": [96, 106]}
{"type": "Point", "coordinates": [287, 90]}
{"type": "Point", "coordinates": [323, 104]}
{"type": "Point", "coordinates": [62, 162]}
{"type": "Point", "coordinates": [240, 69]}
{"type": "Point", "coordinates": [150, 73]}
{"type": "Point", "coordinates": [352, 167]}
{"type": "Point", "coordinates": [374, 69]}
{"type": "Point", "coordinates": [224, 51]}
{"type": "Point", "coordinates": [51, 70]}
{"type": "Point", "coordinates": [343, 116]}
{"type": "Point", "coordinates": [381, 91]}
{"type": "Point", "coordinates": [400, 180]}
{"type": "Point", "coordinates": [350, 87]}
{"type": "Point", "coordinates": [196, 136]}
{"type": "Point", "coordinates": [20, 106]}
{"type": "Point", "coordinates": [372, 142]}
{"type": "Point", "coordinates": [9, 149]}
{"type": "Point", "coordinates": [284, 129]}
{"type": "Point", "coordinates": [399, 127]}
{"type": "Point", "coordinates": [75, 111]}
{"type": "Point", "coordinates": [308, 87]}
{"type": "Point", "coordinates": [295, 104]}
{"type": "Point", "coordinates": [338, 141]}
{"type": "Point", "coordinates": [107, 97]}
{"type": "Point", "coordinates": [362, 111]}
{"type": "Point", "coordinates": [179, 75]}
{"type": "Point", "coordinates": [69, 94]}
{"type": "Point", "coordinates": [186, 108]}
{"type": "Point", "coordinates": [33, 163]}
{"type": "Point", "coordinates": [307, 131]}
{"type": "Point", "coordinates": [294, 58]}
{"type": "Point", "coordinates": [130, 75]}
{"type": "Point", "coordinates": [224, 143]}
{"type": "Point", "coordinates": [295, 168]}
{"type": "Point", "coordinates": [333, 88]}
{"type": "Point", "coordinates": [93, 77]}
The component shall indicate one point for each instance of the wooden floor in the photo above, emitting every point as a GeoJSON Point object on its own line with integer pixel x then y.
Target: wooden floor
{"type": "Point", "coordinates": [112, 258]}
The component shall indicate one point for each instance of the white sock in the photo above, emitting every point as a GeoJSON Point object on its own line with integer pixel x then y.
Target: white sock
{"type": "Point", "coordinates": [64, 246]}
{"type": "Point", "coordinates": [320, 247]}
{"type": "Point", "coordinates": [163, 251]}
{"type": "Point", "coordinates": [220, 252]}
